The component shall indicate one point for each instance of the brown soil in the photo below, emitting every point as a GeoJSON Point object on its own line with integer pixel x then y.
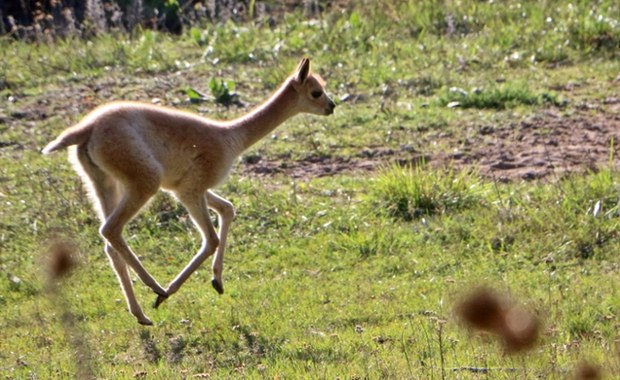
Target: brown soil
{"type": "Point", "coordinates": [545, 145]}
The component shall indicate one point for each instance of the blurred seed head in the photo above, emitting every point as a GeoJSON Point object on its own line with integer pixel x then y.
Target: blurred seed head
{"type": "Point", "coordinates": [481, 310]}
{"type": "Point", "coordinates": [521, 330]}
{"type": "Point", "coordinates": [588, 371]}
{"type": "Point", "coordinates": [486, 310]}
{"type": "Point", "coordinates": [60, 259]}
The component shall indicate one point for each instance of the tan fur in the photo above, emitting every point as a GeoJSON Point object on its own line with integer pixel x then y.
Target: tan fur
{"type": "Point", "coordinates": [127, 151]}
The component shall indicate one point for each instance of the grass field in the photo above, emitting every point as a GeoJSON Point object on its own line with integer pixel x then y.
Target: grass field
{"type": "Point", "coordinates": [349, 275]}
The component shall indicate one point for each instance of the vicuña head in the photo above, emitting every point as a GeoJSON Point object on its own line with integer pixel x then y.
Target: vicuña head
{"type": "Point", "coordinates": [311, 89]}
{"type": "Point", "coordinates": [126, 151]}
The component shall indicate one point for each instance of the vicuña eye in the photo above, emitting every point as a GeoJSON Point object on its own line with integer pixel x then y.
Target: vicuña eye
{"type": "Point", "coordinates": [316, 94]}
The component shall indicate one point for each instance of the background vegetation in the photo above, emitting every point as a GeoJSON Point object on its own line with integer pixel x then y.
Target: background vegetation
{"type": "Point", "coordinates": [350, 275]}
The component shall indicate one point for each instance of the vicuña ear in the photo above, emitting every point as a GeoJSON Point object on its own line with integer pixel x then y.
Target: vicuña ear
{"type": "Point", "coordinates": [303, 70]}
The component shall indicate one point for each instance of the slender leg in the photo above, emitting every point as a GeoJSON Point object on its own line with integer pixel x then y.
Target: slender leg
{"type": "Point", "coordinates": [196, 205]}
{"type": "Point", "coordinates": [108, 202]}
{"type": "Point", "coordinates": [112, 228]}
{"type": "Point", "coordinates": [107, 193]}
{"type": "Point", "coordinates": [226, 214]}
{"type": "Point", "coordinates": [120, 267]}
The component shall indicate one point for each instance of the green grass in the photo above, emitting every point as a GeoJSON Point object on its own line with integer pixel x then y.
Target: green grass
{"type": "Point", "coordinates": [326, 285]}
{"type": "Point", "coordinates": [497, 97]}
{"type": "Point", "coordinates": [410, 193]}
{"type": "Point", "coordinates": [349, 276]}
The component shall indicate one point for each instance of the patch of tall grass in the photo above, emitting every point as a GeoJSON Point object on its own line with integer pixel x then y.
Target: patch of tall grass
{"type": "Point", "coordinates": [411, 192]}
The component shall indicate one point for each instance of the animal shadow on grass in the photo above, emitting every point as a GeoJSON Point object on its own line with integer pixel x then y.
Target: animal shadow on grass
{"type": "Point", "coordinates": [149, 345]}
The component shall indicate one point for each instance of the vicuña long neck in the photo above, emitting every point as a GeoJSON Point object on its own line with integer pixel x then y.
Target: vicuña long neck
{"type": "Point", "coordinates": [255, 125]}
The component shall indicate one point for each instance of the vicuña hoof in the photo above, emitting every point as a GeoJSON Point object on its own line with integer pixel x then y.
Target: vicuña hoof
{"type": "Point", "coordinates": [160, 298]}
{"type": "Point", "coordinates": [145, 321]}
{"type": "Point", "coordinates": [217, 286]}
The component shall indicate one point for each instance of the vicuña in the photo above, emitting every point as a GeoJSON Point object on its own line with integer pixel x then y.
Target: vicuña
{"type": "Point", "coordinates": [125, 152]}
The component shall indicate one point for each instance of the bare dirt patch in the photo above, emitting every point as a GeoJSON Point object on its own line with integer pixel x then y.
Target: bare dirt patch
{"type": "Point", "coordinates": [545, 145]}
{"type": "Point", "coordinates": [320, 166]}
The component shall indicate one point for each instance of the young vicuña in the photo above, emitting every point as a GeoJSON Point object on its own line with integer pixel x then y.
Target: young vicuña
{"type": "Point", "coordinates": [127, 151]}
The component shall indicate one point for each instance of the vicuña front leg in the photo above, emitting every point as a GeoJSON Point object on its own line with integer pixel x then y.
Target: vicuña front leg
{"type": "Point", "coordinates": [226, 214]}
{"type": "Point", "coordinates": [196, 205]}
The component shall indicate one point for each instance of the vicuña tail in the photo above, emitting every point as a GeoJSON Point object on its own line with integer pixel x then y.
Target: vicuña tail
{"type": "Point", "coordinates": [73, 136]}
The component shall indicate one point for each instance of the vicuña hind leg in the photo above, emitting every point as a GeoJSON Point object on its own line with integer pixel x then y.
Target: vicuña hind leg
{"type": "Point", "coordinates": [130, 203]}
{"type": "Point", "coordinates": [120, 267]}
{"type": "Point", "coordinates": [107, 193]}
{"type": "Point", "coordinates": [196, 205]}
